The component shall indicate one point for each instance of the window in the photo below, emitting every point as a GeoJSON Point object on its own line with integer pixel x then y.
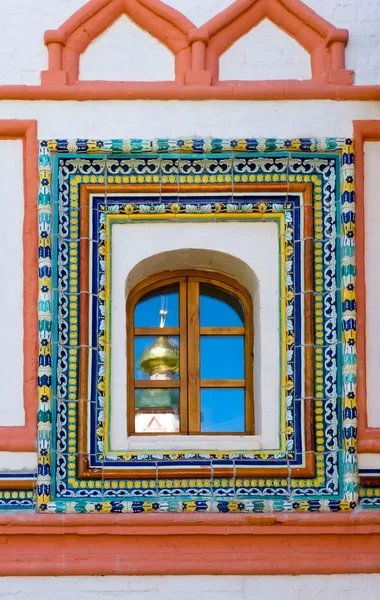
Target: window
{"type": "Point", "coordinates": [190, 355]}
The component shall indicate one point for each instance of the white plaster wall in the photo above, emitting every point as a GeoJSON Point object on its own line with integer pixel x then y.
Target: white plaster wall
{"type": "Point", "coordinates": [23, 54]}
{"type": "Point", "coordinates": [23, 22]}
{"type": "Point", "coordinates": [362, 19]}
{"type": "Point", "coordinates": [126, 53]}
{"type": "Point", "coordinates": [301, 587]}
{"type": "Point", "coordinates": [265, 52]}
{"type": "Point", "coordinates": [372, 277]}
{"type": "Point", "coordinates": [249, 242]}
{"type": "Point", "coordinates": [11, 300]}
{"type": "Point", "coordinates": [11, 288]}
{"type": "Point", "coordinates": [368, 461]}
{"type": "Point", "coordinates": [229, 119]}
{"type": "Point", "coordinates": [199, 11]}
{"type": "Point", "coordinates": [13, 462]}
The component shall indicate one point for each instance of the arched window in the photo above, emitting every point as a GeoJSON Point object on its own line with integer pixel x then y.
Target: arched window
{"type": "Point", "coordinates": [190, 355]}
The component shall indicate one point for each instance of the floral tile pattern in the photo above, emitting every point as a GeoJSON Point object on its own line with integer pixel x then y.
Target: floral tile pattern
{"type": "Point", "coordinates": [327, 165]}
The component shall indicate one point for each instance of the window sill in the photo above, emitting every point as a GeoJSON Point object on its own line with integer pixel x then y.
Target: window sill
{"type": "Point", "coordinates": [194, 442]}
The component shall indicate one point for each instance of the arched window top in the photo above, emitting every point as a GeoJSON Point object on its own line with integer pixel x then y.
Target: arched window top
{"type": "Point", "coordinates": [190, 355]}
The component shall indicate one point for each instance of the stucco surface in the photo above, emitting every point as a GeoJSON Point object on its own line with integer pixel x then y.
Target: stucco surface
{"type": "Point", "coordinates": [212, 118]}
{"type": "Point", "coordinates": [265, 53]}
{"type": "Point", "coordinates": [372, 261]}
{"type": "Point", "coordinates": [126, 53]}
{"type": "Point", "coordinates": [11, 302]}
{"type": "Point", "coordinates": [302, 587]}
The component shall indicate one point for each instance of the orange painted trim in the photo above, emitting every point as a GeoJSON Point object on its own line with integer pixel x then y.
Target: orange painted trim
{"type": "Point", "coordinates": [197, 50]}
{"type": "Point", "coordinates": [24, 438]}
{"type": "Point", "coordinates": [18, 484]}
{"type": "Point", "coordinates": [66, 44]}
{"type": "Point", "coordinates": [189, 544]}
{"type": "Point", "coordinates": [368, 437]}
{"type": "Point", "coordinates": [318, 37]}
{"type": "Point", "coordinates": [235, 90]}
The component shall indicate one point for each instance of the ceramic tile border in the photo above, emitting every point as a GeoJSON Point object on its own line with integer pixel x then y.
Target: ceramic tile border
{"type": "Point", "coordinates": [84, 195]}
{"type": "Point", "coordinates": [171, 214]}
{"type": "Point", "coordinates": [321, 544]}
{"type": "Point", "coordinates": [348, 250]}
{"type": "Point", "coordinates": [68, 166]}
{"type": "Point", "coordinates": [261, 214]}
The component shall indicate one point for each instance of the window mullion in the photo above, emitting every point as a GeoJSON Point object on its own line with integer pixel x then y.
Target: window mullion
{"type": "Point", "coordinates": [193, 362]}
{"type": "Point", "coordinates": [183, 362]}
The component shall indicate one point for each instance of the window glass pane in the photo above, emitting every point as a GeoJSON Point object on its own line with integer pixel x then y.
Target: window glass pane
{"type": "Point", "coordinates": [222, 410]}
{"type": "Point", "coordinates": [147, 311]}
{"type": "Point", "coordinates": [222, 357]}
{"type": "Point", "coordinates": [157, 410]}
{"type": "Point", "coordinates": [157, 357]}
{"type": "Point", "coordinates": [219, 308]}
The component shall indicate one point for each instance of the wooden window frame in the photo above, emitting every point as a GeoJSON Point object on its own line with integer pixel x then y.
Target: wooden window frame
{"type": "Point", "coordinates": [189, 332]}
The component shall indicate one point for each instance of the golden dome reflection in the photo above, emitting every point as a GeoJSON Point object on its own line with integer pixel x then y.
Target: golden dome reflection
{"type": "Point", "coordinates": [161, 358]}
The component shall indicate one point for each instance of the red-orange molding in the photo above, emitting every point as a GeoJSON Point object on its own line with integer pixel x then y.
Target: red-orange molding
{"type": "Point", "coordinates": [197, 50]}
{"type": "Point", "coordinates": [189, 544]}
{"type": "Point", "coordinates": [245, 90]}
{"type": "Point", "coordinates": [24, 438]}
{"type": "Point", "coordinates": [324, 42]}
{"type": "Point", "coordinates": [66, 44]}
{"type": "Point", "coordinates": [368, 437]}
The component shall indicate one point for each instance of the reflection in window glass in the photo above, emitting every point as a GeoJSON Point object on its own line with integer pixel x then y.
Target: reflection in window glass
{"type": "Point", "coordinates": [219, 308]}
{"type": "Point", "coordinates": [222, 357]}
{"type": "Point", "coordinates": [157, 410]}
{"type": "Point", "coordinates": [222, 410]}
{"type": "Point", "coordinates": [147, 311]}
{"type": "Point", "coordinates": [157, 357]}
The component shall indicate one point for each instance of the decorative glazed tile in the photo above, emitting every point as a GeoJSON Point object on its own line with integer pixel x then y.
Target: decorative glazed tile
{"type": "Point", "coordinates": [327, 166]}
